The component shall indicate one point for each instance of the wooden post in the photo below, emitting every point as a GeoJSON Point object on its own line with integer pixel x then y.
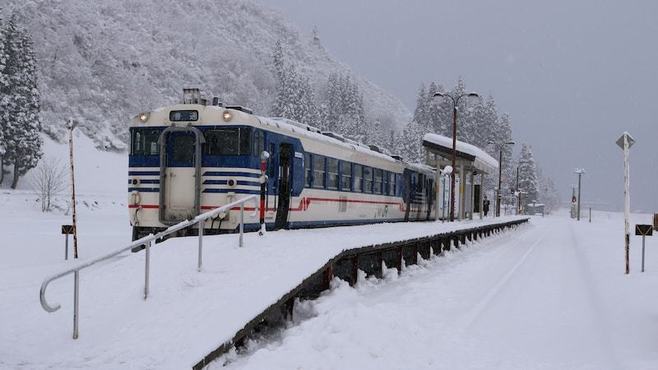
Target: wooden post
{"type": "Point", "coordinates": [71, 127]}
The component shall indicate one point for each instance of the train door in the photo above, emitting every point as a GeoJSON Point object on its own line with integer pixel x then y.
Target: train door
{"type": "Point", "coordinates": [407, 193]}
{"type": "Point", "coordinates": [429, 195]}
{"type": "Point", "coordinates": [284, 185]}
{"type": "Point", "coordinates": [419, 194]}
{"type": "Point", "coordinates": [180, 165]}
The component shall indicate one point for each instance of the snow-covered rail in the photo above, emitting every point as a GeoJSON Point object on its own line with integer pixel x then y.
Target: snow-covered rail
{"type": "Point", "coordinates": [146, 242]}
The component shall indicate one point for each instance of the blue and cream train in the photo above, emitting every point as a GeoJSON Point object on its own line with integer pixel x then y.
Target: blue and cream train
{"type": "Point", "coordinates": [192, 157]}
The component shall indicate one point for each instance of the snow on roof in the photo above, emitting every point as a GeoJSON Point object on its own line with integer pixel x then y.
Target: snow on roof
{"type": "Point", "coordinates": [483, 161]}
{"type": "Point", "coordinates": [312, 132]}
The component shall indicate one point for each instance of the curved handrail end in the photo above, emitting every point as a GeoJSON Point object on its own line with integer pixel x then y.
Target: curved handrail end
{"type": "Point", "coordinates": [42, 297]}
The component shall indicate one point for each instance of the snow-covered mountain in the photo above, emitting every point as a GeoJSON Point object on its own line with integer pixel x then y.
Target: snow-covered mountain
{"type": "Point", "coordinates": [102, 62]}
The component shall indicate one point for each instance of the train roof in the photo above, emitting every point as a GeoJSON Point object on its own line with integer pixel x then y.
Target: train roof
{"type": "Point", "coordinates": [213, 114]}
{"type": "Point", "coordinates": [210, 114]}
{"type": "Point", "coordinates": [316, 134]}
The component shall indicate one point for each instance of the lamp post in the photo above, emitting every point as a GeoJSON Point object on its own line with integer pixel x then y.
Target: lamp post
{"type": "Point", "coordinates": [2, 163]}
{"type": "Point", "coordinates": [500, 147]}
{"type": "Point", "coordinates": [518, 193]}
{"type": "Point", "coordinates": [580, 173]}
{"type": "Point", "coordinates": [455, 104]}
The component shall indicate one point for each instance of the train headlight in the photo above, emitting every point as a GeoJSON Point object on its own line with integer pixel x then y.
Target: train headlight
{"type": "Point", "coordinates": [232, 183]}
{"type": "Point", "coordinates": [143, 117]}
{"type": "Point", "coordinates": [135, 181]}
{"type": "Point", "coordinates": [227, 116]}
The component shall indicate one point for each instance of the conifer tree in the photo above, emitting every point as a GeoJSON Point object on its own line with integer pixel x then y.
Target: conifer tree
{"type": "Point", "coordinates": [4, 89]}
{"type": "Point", "coordinates": [294, 96]}
{"type": "Point", "coordinates": [20, 116]}
{"type": "Point", "coordinates": [421, 113]}
{"type": "Point", "coordinates": [528, 175]}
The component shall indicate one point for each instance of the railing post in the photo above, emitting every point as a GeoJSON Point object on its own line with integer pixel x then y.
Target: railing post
{"type": "Point", "coordinates": [241, 224]}
{"type": "Point", "coordinates": [76, 302]}
{"type": "Point", "coordinates": [147, 265]}
{"type": "Point", "coordinates": [200, 262]}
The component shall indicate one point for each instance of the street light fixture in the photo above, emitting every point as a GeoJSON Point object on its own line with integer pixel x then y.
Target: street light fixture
{"type": "Point", "coordinates": [455, 104]}
{"type": "Point", "coordinates": [580, 172]}
{"type": "Point", "coordinates": [500, 147]}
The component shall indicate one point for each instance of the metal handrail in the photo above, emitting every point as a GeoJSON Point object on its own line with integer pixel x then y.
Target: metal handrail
{"type": "Point", "coordinates": [146, 242]}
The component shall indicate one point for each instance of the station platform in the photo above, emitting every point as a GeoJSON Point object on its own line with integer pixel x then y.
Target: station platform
{"type": "Point", "coordinates": [188, 314]}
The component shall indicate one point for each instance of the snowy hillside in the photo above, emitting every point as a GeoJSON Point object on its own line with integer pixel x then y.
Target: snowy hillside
{"type": "Point", "coordinates": [102, 62]}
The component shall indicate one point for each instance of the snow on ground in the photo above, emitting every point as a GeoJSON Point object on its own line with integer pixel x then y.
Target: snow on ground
{"type": "Point", "coordinates": [188, 313]}
{"type": "Point", "coordinates": [549, 296]}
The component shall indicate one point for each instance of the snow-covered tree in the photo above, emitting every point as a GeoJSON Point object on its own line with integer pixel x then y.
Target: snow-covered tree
{"type": "Point", "coordinates": [20, 115]}
{"type": "Point", "coordinates": [295, 98]}
{"type": "Point", "coordinates": [410, 143]}
{"type": "Point", "coordinates": [4, 88]}
{"type": "Point", "coordinates": [345, 108]}
{"type": "Point", "coordinates": [548, 194]}
{"type": "Point", "coordinates": [528, 180]}
{"type": "Point", "coordinates": [422, 111]}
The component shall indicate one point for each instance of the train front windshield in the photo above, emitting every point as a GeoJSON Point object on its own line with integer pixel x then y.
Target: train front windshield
{"type": "Point", "coordinates": [144, 141]}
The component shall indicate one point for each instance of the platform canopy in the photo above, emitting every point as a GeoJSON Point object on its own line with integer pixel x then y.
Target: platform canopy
{"type": "Point", "coordinates": [477, 158]}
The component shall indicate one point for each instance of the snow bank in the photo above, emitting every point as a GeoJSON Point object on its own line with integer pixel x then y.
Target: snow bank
{"type": "Point", "coordinates": [551, 295]}
{"type": "Point", "coordinates": [188, 314]}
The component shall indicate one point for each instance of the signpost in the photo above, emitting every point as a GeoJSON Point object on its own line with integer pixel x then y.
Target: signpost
{"type": "Point", "coordinates": [625, 142]}
{"type": "Point", "coordinates": [67, 230]}
{"type": "Point", "coordinates": [644, 231]}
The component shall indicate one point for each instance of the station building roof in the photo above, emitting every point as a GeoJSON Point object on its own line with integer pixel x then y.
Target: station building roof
{"type": "Point", "coordinates": [478, 158]}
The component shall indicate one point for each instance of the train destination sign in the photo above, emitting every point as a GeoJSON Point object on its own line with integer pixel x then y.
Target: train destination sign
{"type": "Point", "coordinates": [183, 115]}
{"type": "Point", "coordinates": [644, 230]}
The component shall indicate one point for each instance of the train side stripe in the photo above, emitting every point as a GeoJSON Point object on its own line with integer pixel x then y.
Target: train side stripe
{"type": "Point", "coordinates": [143, 173]}
{"type": "Point", "coordinates": [227, 173]}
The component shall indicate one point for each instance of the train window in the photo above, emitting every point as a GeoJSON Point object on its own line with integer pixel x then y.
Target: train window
{"type": "Point", "coordinates": [386, 183]}
{"type": "Point", "coordinates": [259, 143]}
{"type": "Point", "coordinates": [318, 171]}
{"type": "Point", "coordinates": [223, 141]}
{"type": "Point", "coordinates": [378, 181]}
{"type": "Point", "coordinates": [182, 150]}
{"type": "Point", "coordinates": [357, 175]}
{"type": "Point", "coordinates": [308, 178]}
{"type": "Point", "coordinates": [245, 140]}
{"type": "Point", "coordinates": [332, 173]}
{"type": "Point", "coordinates": [145, 141]}
{"type": "Point", "coordinates": [367, 179]}
{"type": "Point", "coordinates": [392, 179]}
{"type": "Point", "coordinates": [345, 175]}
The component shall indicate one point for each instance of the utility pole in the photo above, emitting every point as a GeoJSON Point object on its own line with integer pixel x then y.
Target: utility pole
{"type": "Point", "coordinates": [580, 173]}
{"type": "Point", "coordinates": [71, 126]}
{"type": "Point", "coordinates": [500, 147]}
{"type": "Point", "coordinates": [625, 142]}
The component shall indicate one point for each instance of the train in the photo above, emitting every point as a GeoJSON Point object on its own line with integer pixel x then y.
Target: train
{"type": "Point", "coordinates": [195, 156]}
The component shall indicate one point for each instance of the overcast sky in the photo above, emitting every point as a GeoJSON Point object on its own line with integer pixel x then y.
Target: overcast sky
{"type": "Point", "coordinates": [572, 74]}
